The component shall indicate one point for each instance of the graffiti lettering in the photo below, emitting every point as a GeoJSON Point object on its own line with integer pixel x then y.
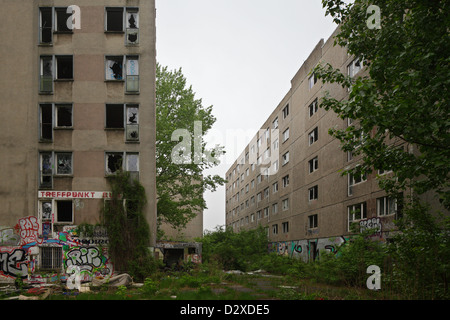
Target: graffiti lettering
{"type": "Point", "coordinates": [28, 230]}
{"type": "Point", "coordinates": [13, 264]}
{"type": "Point", "coordinates": [86, 258]}
{"type": "Point", "coordinates": [74, 281]}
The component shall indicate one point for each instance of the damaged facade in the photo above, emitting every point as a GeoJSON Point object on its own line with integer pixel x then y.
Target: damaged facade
{"type": "Point", "coordinates": [79, 104]}
{"type": "Point", "coordinates": [288, 179]}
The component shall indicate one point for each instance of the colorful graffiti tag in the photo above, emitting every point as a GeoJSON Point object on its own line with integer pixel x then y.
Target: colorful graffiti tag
{"type": "Point", "coordinates": [307, 250]}
{"type": "Point", "coordinates": [20, 246]}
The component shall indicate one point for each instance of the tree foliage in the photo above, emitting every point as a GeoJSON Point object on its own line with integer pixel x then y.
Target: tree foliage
{"type": "Point", "coordinates": [180, 186]}
{"type": "Point", "coordinates": [234, 251]}
{"type": "Point", "coordinates": [404, 99]}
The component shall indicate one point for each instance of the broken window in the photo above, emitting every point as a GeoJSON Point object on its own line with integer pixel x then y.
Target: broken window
{"type": "Point", "coordinates": [64, 163]}
{"type": "Point", "coordinates": [62, 16]}
{"type": "Point", "coordinates": [64, 67]}
{"type": "Point", "coordinates": [46, 121]}
{"type": "Point", "coordinates": [132, 84]}
{"type": "Point", "coordinates": [46, 210]}
{"type": "Point", "coordinates": [63, 116]}
{"type": "Point", "coordinates": [46, 170]}
{"type": "Point", "coordinates": [114, 161]}
{"type": "Point", "coordinates": [354, 67]}
{"type": "Point", "coordinates": [64, 211]}
{"type": "Point", "coordinates": [46, 25]}
{"type": "Point", "coordinates": [46, 74]}
{"type": "Point", "coordinates": [132, 129]}
{"type": "Point", "coordinates": [114, 116]}
{"type": "Point", "coordinates": [114, 19]}
{"type": "Point", "coordinates": [132, 26]}
{"type": "Point", "coordinates": [114, 68]}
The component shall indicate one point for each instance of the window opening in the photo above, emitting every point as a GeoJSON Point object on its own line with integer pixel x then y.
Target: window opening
{"type": "Point", "coordinates": [132, 123]}
{"type": "Point", "coordinates": [132, 24]}
{"type": "Point", "coordinates": [132, 84]}
{"type": "Point", "coordinates": [114, 116]}
{"type": "Point", "coordinates": [64, 210]}
{"type": "Point", "coordinates": [64, 116]}
{"type": "Point", "coordinates": [46, 26]}
{"type": "Point", "coordinates": [64, 67]}
{"type": "Point", "coordinates": [46, 83]}
{"type": "Point", "coordinates": [114, 19]}
{"type": "Point", "coordinates": [114, 68]}
{"type": "Point", "coordinates": [114, 162]}
{"type": "Point", "coordinates": [61, 19]}
{"type": "Point", "coordinates": [64, 163]}
{"type": "Point", "coordinates": [46, 170]}
{"type": "Point", "coordinates": [51, 257]}
{"type": "Point", "coordinates": [46, 122]}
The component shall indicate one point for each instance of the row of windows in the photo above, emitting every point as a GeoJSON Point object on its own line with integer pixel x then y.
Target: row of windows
{"type": "Point", "coordinates": [60, 20]}
{"type": "Point", "coordinates": [53, 163]}
{"type": "Point", "coordinates": [60, 116]}
{"type": "Point", "coordinates": [61, 68]}
{"type": "Point", "coordinates": [386, 206]}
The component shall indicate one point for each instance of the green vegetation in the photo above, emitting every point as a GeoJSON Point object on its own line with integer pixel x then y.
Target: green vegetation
{"type": "Point", "coordinates": [127, 227]}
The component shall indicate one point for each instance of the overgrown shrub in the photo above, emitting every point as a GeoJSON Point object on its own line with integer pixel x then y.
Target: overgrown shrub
{"type": "Point", "coordinates": [127, 227]}
{"type": "Point", "coordinates": [234, 251]}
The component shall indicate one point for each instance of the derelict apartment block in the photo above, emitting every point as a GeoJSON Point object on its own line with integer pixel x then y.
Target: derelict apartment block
{"type": "Point", "coordinates": [288, 180]}
{"type": "Point", "coordinates": [78, 103]}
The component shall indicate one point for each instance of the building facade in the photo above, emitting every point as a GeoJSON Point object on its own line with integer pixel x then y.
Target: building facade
{"type": "Point", "coordinates": [288, 178]}
{"type": "Point", "coordinates": [78, 103]}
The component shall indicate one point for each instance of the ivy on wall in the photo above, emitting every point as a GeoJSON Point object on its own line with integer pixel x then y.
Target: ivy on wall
{"type": "Point", "coordinates": [127, 228]}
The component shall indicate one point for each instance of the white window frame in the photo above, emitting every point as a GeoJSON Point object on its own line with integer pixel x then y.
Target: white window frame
{"type": "Point", "coordinates": [354, 216]}
{"type": "Point", "coordinates": [313, 193]}
{"type": "Point", "coordinates": [313, 164]}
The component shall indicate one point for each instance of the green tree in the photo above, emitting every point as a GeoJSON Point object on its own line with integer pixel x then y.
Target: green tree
{"type": "Point", "coordinates": [181, 154]}
{"type": "Point", "coordinates": [404, 99]}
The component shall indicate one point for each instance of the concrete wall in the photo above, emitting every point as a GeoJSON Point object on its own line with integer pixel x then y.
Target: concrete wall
{"type": "Point", "coordinates": [331, 206]}
{"type": "Point", "coordinates": [88, 92]}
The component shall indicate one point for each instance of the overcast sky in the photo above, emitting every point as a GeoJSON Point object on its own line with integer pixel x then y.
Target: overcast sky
{"type": "Point", "coordinates": [239, 56]}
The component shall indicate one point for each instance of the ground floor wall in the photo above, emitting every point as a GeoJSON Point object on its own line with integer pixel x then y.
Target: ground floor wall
{"type": "Point", "coordinates": [310, 249]}
{"type": "Point", "coordinates": [26, 254]}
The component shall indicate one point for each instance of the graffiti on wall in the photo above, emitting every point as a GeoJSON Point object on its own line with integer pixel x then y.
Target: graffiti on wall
{"type": "Point", "coordinates": [28, 230]}
{"type": "Point", "coordinates": [371, 224]}
{"type": "Point", "coordinates": [20, 247]}
{"type": "Point", "coordinates": [91, 261]}
{"type": "Point", "coordinates": [307, 250]}
{"type": "Point", "coordinates": [13, 263]}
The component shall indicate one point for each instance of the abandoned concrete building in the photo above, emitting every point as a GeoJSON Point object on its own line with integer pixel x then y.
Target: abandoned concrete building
{"type": "Point", "coordinates": [288, 178]}
{"type": "Point", "coordinates": [78, 100]}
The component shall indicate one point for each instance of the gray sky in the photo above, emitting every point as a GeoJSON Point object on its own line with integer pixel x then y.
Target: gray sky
{"type": "Point", "coordinates": [239, 56]}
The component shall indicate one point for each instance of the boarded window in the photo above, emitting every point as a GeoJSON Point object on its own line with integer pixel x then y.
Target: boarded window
{"type": "Point", "coordinates": [114, 116]}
